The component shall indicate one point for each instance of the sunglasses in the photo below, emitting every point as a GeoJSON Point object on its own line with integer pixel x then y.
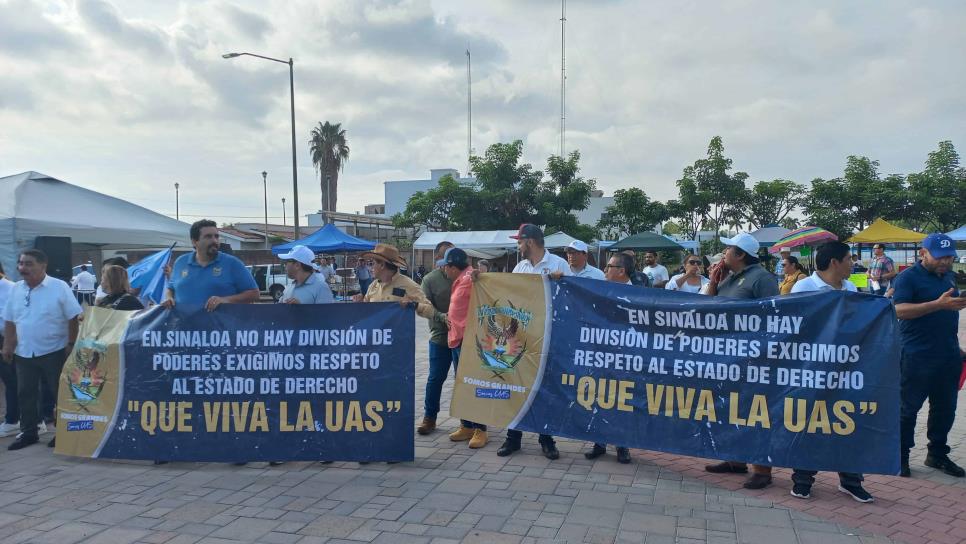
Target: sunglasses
{"type": "Point", "coordinates": [608, 265]}
{"type": "Point", "coordinates": [695, 262]}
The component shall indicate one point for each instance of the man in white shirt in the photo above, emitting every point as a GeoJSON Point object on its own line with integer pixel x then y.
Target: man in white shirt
{"type": "Point", "coordinates": [833, 261]}
{"type": "Point", "coordinates": [654, 270]}
{"type": "Point", "coordinates": [326, 268]}
{"type": "Point", "coordinates": [577, 259]}
{"type": "Point", "coordinates": [39, 330]}
{"type": "Point", "coordinates": [535, 259]}
{"type": "Point", "coordinates": [83, 283]}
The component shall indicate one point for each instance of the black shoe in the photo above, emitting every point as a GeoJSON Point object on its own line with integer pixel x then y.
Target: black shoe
{"type": "Point", "coordinates": [160, 462]}
{"type": "Point", "coordinates": [508, 447]}
{"type": "Point", "coordinates": [757, 481]}
{"type": "Point", "coordinates": [857, 492]}
{"type": "Point", "coordinates": [275, 463]}
{"type": "Point", "coordinates": [945, 464]}
{"type": "Point", "coordinates": [623, 456]}
{"type": "Point", "coordinates": [904, 469]}
{"type": "Point", "coordinates": [325, 462]}
{"type": "Point", "coordinates": [240, 463]}
{"type": "Point", "coordinates": [726, 467]}
{"type": "Point", "coordinates": [52, 443]}
{"type": "Point", "coordinates": [596, 452]}
{"type": "Point", "coordinates": [550, 451]}
{"type": "Point", "coordinates": [802, 491]}
{"type": "Point", "coordinates": [23, 442]}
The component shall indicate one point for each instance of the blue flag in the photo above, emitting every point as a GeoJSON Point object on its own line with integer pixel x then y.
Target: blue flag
{"type": "Point", "coordinates": [148, 275]}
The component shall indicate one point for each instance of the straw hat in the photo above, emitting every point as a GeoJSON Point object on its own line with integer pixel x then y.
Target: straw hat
{"type": "Point", "coordinates": [387, 253]}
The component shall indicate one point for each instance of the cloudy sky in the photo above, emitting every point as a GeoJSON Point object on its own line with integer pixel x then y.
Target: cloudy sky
{"type": "Point", "coordinates": [129, 97]}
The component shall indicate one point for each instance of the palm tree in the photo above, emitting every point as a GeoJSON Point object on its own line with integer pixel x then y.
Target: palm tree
{"type": "Point", "coordinates": [329, 154]}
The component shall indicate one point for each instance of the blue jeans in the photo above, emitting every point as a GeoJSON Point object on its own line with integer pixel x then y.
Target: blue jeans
{"type": "Point", "coordinates": [440, 360]}
{"type": "Point", "coordinates": [465, 422]}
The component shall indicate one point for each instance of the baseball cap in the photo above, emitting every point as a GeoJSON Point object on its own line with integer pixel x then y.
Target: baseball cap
{"type": "Point", "coordinates": [785, 250]}
{"type": "Point", "coordinates": [301, 254]}
{"type": "Point", "coordinates": [577, 245]}
{"type": "Point", "coordinates": [528, 231]}
{"type": "Point", "coordinates": [454, 256]}
{"type": "Point", "coordinates": [939, 245]}
{"type": "Point", "coordinates": [743, 241]}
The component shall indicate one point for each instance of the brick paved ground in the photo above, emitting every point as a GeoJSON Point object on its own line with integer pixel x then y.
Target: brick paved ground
{"type": "Point", "coordinates": [453, 494]}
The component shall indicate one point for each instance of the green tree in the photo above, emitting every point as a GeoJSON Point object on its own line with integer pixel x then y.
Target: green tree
{"type": "Point", "coordinates": [443, 207]}
{"type": "Point", "coordinates": [770, 202]}
{"type": "Point", "coordinates": [724, 192]}
{"type": "Point", "coordinates": [562, 193]}
{"type": "Point", "coordinates": [868, 195]}
{"type": "Point", "coordinates": [330, 151]}
{"type": "Point", "coordinates": [631, 213]}
{"type": "Point", "coordinates": [938, 193]}
{"type": "Point", "coordinates": [827, 207]}
{"type": "Point", "coordinates": [691, 206]}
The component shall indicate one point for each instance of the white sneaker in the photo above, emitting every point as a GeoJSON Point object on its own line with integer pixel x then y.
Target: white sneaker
{"type": "Point", "coordinates": [42, 428]}
{"type": "Point", "coordinates": [9, 429]}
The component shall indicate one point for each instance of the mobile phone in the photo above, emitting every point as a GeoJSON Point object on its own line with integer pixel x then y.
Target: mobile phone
{"type": "Point", "coordinates": [398, 292]}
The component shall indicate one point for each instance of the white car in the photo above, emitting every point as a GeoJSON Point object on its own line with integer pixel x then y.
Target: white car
{"type": "Point", "coordinates": [271, 279]}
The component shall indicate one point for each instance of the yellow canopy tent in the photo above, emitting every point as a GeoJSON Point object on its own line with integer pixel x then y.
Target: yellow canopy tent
{"type": "Point", "coordinates": [882, 231]}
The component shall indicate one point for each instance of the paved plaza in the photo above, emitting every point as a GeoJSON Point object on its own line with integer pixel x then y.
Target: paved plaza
{"type": "Point", "coordinates": [454, 494]}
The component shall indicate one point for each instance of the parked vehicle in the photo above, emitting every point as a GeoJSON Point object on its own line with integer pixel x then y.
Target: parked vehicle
{"type": "Point", "coordinates": [270, 278]}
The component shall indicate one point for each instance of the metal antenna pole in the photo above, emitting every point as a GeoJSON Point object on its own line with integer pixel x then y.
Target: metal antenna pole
{"type": "Point", "coordinates": [469, 113]}
{"type": "Point", "coordinates": [563, 74]}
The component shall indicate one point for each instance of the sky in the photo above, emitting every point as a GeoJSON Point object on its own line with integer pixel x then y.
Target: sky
{"type": "Point", "coordinates": [128, 98]}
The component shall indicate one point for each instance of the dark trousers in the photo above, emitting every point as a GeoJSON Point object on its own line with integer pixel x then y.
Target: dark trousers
{"type": "Point", "coordinates": [8, 373]}
{"type": "Point", "coordinates": [807, 477]}
{"type": "Point", "coordinates": [440, 360]}
{"type": "Point", "coordinates": [464, 422]}
{"type": "Point", "coordinates": [514, 435]}
{"type": "Point", "coordinates": [34, 374]}
{"type": "Point", "coordinates": [939, 382]}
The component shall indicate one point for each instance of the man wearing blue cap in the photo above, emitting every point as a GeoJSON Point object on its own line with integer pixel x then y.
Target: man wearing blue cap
{"type": "Point", "coordinates": [928, 305]}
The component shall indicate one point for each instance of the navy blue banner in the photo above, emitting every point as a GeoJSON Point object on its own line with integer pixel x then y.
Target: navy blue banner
{"type": "Point", "coordinates": [805, 381]}
{"type": "Point", "coordinates": [266, 383]}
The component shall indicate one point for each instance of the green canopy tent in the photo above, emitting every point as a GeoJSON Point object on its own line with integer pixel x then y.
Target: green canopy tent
{"type": "Point", "coordinates": [646, 241]}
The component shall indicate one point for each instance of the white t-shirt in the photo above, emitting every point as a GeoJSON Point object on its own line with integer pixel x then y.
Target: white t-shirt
{"type": "Point", "coordinates": [41, 323]}
{"type": "Point", "coordinates": [657, 273]}
{"type": "Point", "coordinates": [84, 282]}
{"type": "Point", "coordinates": [549, 264]}
{"type": "Point", "coordinates": [6, 287]}
{"type": "Point", "coordinates": [588, 271]}
{"type": "Point", "coordinates": [815, 283]}
{"type": "Point", "coordinates": [672, 285]}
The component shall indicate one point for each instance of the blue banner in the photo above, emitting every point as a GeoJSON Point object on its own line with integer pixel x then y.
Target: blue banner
{"type": "Point", "coordinates": [805, 381]}
{"type": "Point", "coordinates": [265, 383]}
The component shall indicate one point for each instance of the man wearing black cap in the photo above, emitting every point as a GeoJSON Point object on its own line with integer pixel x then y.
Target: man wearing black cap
{"type": "Point", "coordinates": [534, 259]}
{"type": "Point", "coordinates": [928, 305]}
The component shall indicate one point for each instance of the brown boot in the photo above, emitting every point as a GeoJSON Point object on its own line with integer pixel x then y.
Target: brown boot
{"type": "Point", "coordinates": [462, 434]}
{"type": "Point", "coordinates": [479, 439]}
{"type": "Point", "coordinates": [427, 426]}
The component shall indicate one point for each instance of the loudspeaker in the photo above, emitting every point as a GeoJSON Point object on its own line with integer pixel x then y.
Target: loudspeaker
{"type": "Point", "coordinates": [58, 250]}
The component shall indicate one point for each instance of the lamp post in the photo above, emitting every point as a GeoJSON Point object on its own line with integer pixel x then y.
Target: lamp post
{"type": "Point", "coordinates": [283, 211]}
{"type": "Point", "coordinates": [177, 202]}
{"type": "Point", "coordinates": [291, 83]}
{"type": "Point", "coordinates": [265, 188]}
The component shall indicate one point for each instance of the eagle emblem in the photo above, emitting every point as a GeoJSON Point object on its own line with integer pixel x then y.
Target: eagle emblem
{"type": "Point", "coordinates": [500, 348]}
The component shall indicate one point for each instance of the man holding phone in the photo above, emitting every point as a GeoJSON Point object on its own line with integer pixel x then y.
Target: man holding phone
{"type": "Point", "coordinates": [391, 286]}
{"type": "Point", "coordinates": [928, 305]}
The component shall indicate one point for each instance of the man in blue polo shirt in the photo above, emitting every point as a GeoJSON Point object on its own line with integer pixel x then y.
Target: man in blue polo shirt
{"type": "Point", "coordinates": [208, 276]}
{"type": "Point", "coordinates": [928, 305]}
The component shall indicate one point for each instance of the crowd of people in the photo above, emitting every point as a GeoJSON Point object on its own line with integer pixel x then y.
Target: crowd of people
{"type": "Point", "coordinates": [40, 321]}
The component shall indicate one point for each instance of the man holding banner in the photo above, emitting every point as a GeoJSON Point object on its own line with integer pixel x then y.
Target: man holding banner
{"type": "Point", "coordinates": [207, 276]}
{"type": "Point", "coordinates": [834, 263]}
{"type": "Point", "coordinates": [535, 260]}
{"type": "Point", "coordinates": [436, 286]}
{"type": "Point", "coordinates": [740, 275]}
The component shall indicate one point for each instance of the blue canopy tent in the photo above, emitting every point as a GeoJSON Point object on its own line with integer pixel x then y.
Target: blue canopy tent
{"type": "Point", "coordinates": [959, 234]}
{"type": "Point", "coordinates": [328, 239]}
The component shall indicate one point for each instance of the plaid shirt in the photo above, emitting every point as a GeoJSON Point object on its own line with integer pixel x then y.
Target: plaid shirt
{"type": "Point", "coordinates": [879, 266]}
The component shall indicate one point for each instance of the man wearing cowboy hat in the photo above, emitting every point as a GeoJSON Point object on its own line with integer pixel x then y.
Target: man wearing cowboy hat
{"type": "Point", "coordinates": [391, 286]}
{"type": "Point", "coordinates": [308, 286]}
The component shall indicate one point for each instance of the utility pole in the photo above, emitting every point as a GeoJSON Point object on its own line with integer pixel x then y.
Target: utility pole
{"type": "Point", "coordinates": [265, 188]}
{"type": "Point", "coordinates": [283, 210]}
{"type": "Point", "coordinates": [469, 113]}
{"type": "Point", "coordinates": [563, 74]}
{"type": "Point", "coordinates": [177, 201]}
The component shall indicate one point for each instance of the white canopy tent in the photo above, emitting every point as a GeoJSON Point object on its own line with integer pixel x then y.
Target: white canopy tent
{"type": "Point", "coordinates": [479, 239]}
{"type": "Point", "coordinates": [33, 204]}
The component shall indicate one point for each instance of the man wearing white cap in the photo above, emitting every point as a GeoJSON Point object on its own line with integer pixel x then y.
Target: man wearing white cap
{"type": "Point", "coordinates": [308, 286]}
{"type": "Point", "coordinates": [740, 275]}
{"type": "Point", "coordinates": [577, 259]}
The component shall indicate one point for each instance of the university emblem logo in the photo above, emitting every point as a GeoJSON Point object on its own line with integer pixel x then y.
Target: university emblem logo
{"type": "Point", "coordinates": [85, 379]}
{"type": "Point", "coordinates": [499, 343]}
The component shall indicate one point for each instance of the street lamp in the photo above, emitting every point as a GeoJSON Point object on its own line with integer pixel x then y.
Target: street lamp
{"type": "Point", "coordinates": [177, 202]}
{"type": "Point", "coordinates": [265, 188]}
{"type": "Point", "coordinates": [291, 83]}
{"type": "Point", "coordinates": [283, 211]}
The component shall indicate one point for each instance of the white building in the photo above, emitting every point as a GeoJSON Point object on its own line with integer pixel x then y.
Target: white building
{"type": "Point", "coordinates": [398, 192]}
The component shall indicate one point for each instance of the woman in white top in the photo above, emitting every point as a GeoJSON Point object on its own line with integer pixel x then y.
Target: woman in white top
{"type": "Point", "coordinates": [691, 281]}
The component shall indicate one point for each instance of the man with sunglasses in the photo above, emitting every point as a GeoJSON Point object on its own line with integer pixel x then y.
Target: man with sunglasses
{"type": "Point", "coordinates": [40, 327]}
